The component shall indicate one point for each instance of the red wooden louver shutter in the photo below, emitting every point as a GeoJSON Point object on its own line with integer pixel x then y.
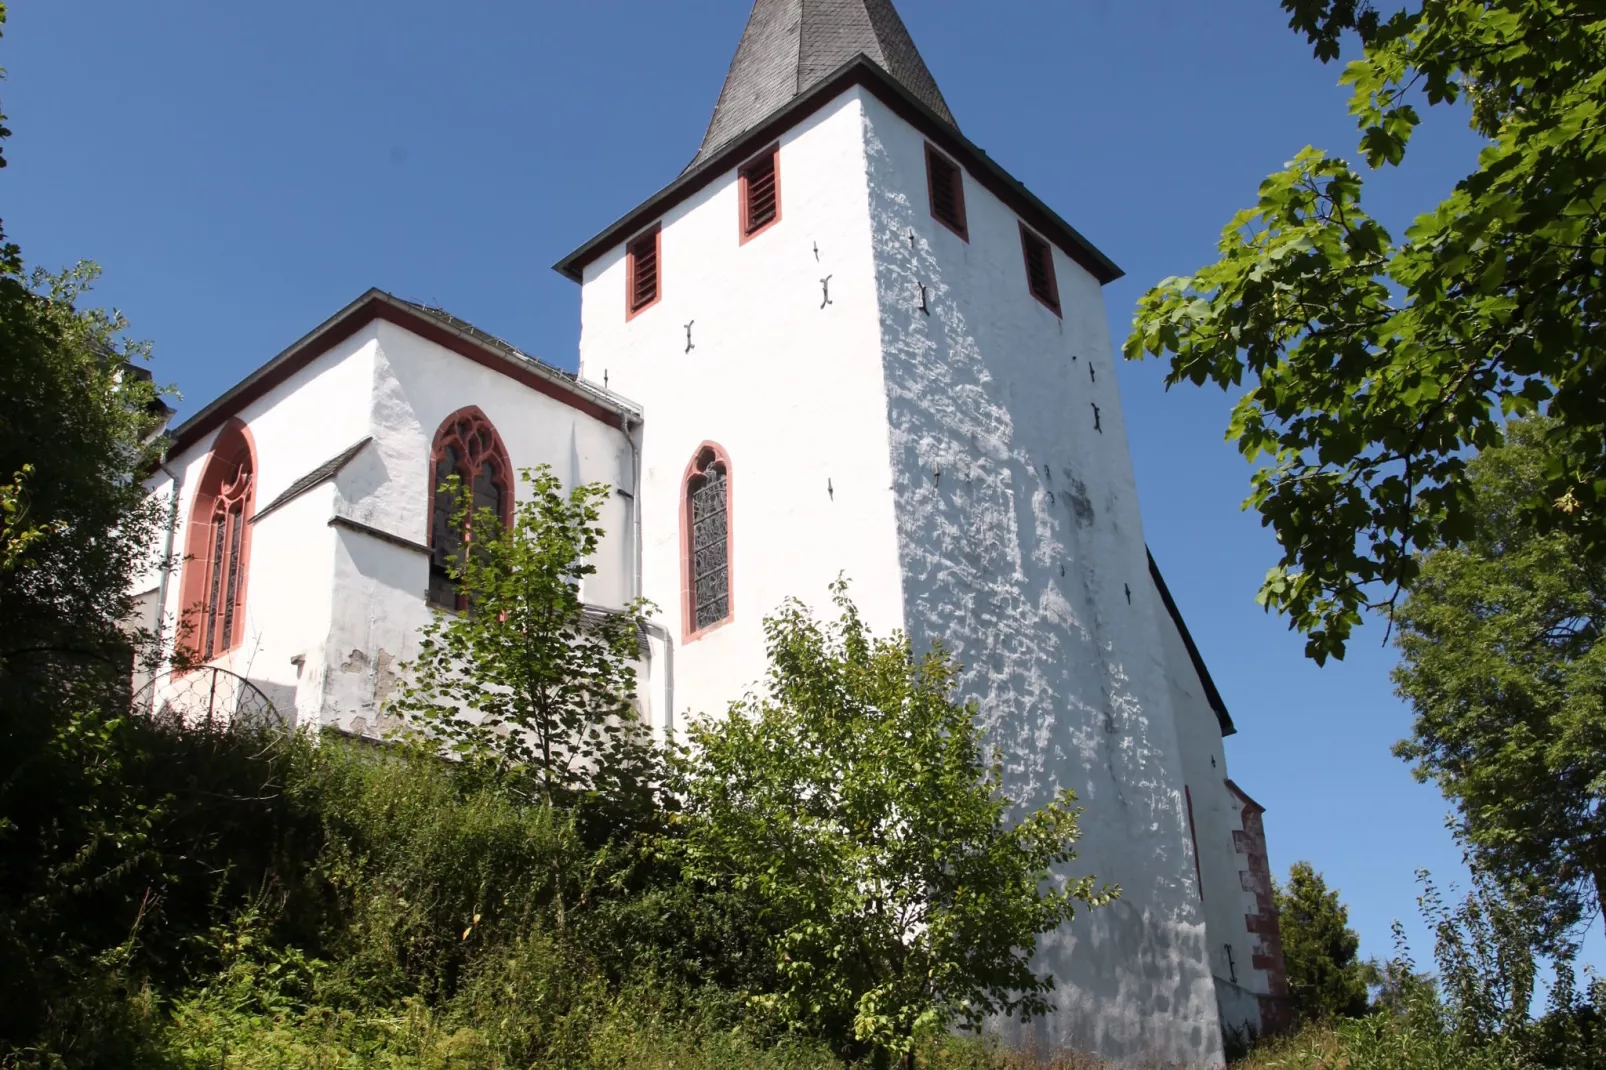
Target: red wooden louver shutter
{"type": "Point", "coordinates": [644, 271]}
{"type": "Point", "coordinates": [947, 191]}
{"type": "Point", "coordinates": [759, 187]}
{"type": "Point", "coordinates": [1040, 269]}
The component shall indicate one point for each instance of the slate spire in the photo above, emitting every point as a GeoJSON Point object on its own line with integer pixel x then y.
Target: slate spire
{"type": "Point", "coordinates": [790, 45]}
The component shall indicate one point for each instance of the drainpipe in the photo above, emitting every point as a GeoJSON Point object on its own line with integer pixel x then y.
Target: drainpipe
{"type": "Point", "coordinates": [167, 571]}
{"type": "Point", "coordinates": [654, 628]}
{"type": "Point", "coordinates": [636, 583]}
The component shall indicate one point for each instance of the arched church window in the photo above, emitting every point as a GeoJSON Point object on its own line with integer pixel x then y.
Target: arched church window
{"type": "Point", "coordinates": [218, 546]}
{"type": "Point", "coordinates": [468, 447]}
{"type": "Point", "coordinates": [706, 541]}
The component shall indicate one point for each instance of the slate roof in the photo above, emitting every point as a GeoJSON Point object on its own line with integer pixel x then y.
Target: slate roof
{"type": "Point", "coordinates": [789, 46]}
{"type": "Point", "coordinates": [1212, 695]}
{"type": "Point", "coordinates": [426, 321]}
{"type": "Point", "coordinates": [321, 474]}
{"type": "Point", "coordinates": [486, 338]}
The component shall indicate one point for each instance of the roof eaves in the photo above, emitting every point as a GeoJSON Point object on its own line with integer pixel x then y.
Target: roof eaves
{"type": "Point", "coordinates": [1244, 796]}
{"type": "Point", "coordinates": [223, 405]}
{"type": "Point", "coordinates": [1212, 695]}
{"type": "Point", "coordinates": [566, 380]}
{"type": "Point", "coordinates": [370, 306]}
{"type": "Point", "coordinates": [859, 70]}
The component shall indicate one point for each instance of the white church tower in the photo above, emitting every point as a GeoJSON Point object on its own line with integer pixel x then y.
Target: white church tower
{"type": "Point", "coordinates": [844, 340]}
{"type": "Point", "coordinates": [860, 346]}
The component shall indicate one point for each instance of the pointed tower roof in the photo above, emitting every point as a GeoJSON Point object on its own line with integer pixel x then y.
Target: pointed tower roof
{"type": "Point", "coordinates": [791, 45]}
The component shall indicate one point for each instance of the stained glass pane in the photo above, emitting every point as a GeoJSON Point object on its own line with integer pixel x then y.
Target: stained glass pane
{"type": "Point", "coordinates": [488, 491]}
{"type": "Point", "coordinates": [445, 542]}
{"type": "Point", "coordinates": [236, 523]}
{"type": "Point", "coordinates": [214, 587]}
{"type": "Point", "coordinates": [710, 560]}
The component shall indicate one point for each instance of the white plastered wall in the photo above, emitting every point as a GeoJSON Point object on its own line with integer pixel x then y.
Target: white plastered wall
{"type": "Point", "coordinates": [1022, 549]}
{"type": "Point", "coordinates": [838, 417]}
{"type": "Point", "coordinates": [786, 382]}
{"type": "Point", "coordinates": [379, 585]}
{"type": "Point", "coordinates": [1215, 816]}
{"type": "Point", "coordinates": [294, 426]}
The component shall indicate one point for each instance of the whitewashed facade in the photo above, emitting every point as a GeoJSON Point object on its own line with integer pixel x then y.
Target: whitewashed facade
{"type": "Point", "coordinates": [889, 401]}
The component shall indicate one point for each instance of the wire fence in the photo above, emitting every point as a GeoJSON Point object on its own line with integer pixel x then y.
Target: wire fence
{"type": "Point", "coordinates": [207, 697]}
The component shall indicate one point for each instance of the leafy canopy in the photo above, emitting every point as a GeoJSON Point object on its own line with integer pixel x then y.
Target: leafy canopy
{"type": "Point", "coordinates": [528, 679]}
{"type": "Point", "coordinates": [1325, 978]}
{"type": "Point", "coordinates": [1375, 366]}
{"type": "Point", "coordinates": [905, 891]}
{"type": "Point", "coordinates": [1501, 662]}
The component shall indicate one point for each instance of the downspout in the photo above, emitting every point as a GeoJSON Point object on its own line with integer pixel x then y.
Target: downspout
{"type": "Point", "coordinates": [654, 628]}
{"type": "Point", "coordinates": [636, 582]}
{"type": "Point", "coordinates": [167, 571]}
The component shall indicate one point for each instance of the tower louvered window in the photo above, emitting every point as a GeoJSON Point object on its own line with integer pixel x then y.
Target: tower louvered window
{"type": "Point", "coordinates": [466, 446]}
{"type": "Point", "coordinates": [642, 271]}
{"type": "Point", "coordinates": [708, 541]}
{"type": "Point", "coordinates": [946, 186]}
{"type": "Point", "coordinates": [1040, 269]}
{"type": "Point", "coordinates": [760, 192]}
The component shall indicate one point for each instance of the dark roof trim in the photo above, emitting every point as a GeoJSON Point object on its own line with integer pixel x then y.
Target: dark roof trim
{"type": "Point", "coordinates": [1211, 694]}
{"type": "Point", "coordinates": [426, 323]}
{"type": "Point", "coordinates": [321, 474]}
{"type": "Point", "coordinates": [860, 70]}
{"type": "Point", "coordinates": [338, 521]}
{"type": "Point", "coordinates": [1243, 797]}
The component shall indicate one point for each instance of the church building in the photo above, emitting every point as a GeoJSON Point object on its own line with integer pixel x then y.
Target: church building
{"type": "Point", "coordinates": [843, 340]}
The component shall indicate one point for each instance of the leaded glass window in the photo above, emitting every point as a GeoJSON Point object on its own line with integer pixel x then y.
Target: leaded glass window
{"type": "Point", "coordinates": [466, 446]}
{"type": "Point", "coordinates": [708, 505]}
{"type": "Point", "coordinates": [225, 567]}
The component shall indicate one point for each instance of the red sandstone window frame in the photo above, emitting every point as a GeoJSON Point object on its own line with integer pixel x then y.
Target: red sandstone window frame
{"type": "Point", "coordinates": [634, 305]}
{"type": "Point", "coordinates": [702, 458]}
{"type": "Point", "coordinates": [770, 158]}
{"type": "Point", "coordinates": [212, 622]}
{"type": "Point", "coordinates": [467, 426]}
{"type": "Point", "coordinates": [937, 163]}
{"type": "Point", "coordinates": [1044, 285]}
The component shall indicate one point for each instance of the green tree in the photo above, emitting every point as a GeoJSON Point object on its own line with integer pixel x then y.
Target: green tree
{"type": "Point", "coordinates": [852, 801]}
{"type": "Point", "coordinates": [1325, 978]}
{"type": "Point", "coordinates": [528, 679]}
{"type": "Point", "coordinates": [77, 431]}
{"type": "Point", "coordinates": [1500, 663]}
{"type": "Point", "coordinates": [1375, 366]}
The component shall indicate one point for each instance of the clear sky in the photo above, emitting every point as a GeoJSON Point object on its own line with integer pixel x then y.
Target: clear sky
{"type": "Point", "coordinates": [243, 170]}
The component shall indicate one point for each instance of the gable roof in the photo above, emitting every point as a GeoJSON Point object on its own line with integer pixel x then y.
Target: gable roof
{"type": "Point", "coordinates": [790, 45]}
{"type": "Point", "coordinates": [858, 71]}
{"type": "Point", "coordinates": [433, 324]}
{"type": "Point", "coordinates": [1212, 695]}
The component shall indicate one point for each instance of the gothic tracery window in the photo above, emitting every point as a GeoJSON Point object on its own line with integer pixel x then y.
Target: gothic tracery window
{"type": "Point", "coordinates": [707, 540]}
{"type": "Point", "coordinates": [468, 447]}
{"type": "Point", "coordinates": [217, 551]}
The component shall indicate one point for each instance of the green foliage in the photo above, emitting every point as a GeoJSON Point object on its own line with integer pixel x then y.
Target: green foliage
{"type": "Point", "coordinates": [74, 524]}
{"type": "Point", "coordinates": [87, 857]}
{"type": "Point", "coordinates": [1375, 366]}
{"type": "Point", "coordinates": [853, 803]}
{"type": "Point", "coordinates": [1499, 663]}
{"type": "Point", "coordinates": [1325, 978]}
{"type": "Point", "coordinates": [1473, 1013]}
{"type": "Point", "coordinates": [526, 679]}
{"type": "Point", "coordinates": [124, 849]}
{"type": "Point", "coordinates": [1488, 952]}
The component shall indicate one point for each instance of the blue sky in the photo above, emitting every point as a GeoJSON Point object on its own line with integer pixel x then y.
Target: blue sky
{"type": "Point", "coordinates": [241, 171]}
